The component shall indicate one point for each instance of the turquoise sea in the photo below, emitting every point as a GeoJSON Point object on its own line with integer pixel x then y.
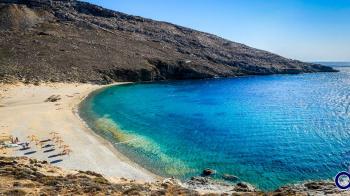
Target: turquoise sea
{"type": "Point", "coordinates": [267, 130]}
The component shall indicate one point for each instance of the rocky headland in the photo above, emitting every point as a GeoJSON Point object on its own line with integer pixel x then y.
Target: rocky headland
{"type": "Point", "coordinates": [74, 41]}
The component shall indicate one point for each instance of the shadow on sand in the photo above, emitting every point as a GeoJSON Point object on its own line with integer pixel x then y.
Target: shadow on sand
{"type": "Point", "coordinates": [56, 161]}
{"type": "Point", "coordinates": [26, 148]}
{"type": "Point", "coordinates": [50, 150]}
{"type": "Point", "coordinates": [31, 152]}
{"type": "Point", "coordinates": [48, 145]}
{"type": "Point", "coordinates": [55, 155]}
{"type": "Point", "coordinates": [47, 140]}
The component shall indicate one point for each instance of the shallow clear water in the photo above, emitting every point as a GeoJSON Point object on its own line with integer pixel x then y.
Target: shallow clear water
{"type": "Point", "coordinates": [267, 130]}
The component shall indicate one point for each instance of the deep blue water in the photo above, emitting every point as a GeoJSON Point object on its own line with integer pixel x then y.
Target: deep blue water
{"type": "Point", "coordinates": [267, 130]}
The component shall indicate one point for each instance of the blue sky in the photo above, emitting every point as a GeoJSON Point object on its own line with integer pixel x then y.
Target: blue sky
{"type": "Point", "coordinates": [309, 30]}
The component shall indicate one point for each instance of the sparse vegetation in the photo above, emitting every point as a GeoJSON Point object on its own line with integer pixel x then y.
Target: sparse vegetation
{"type": "Point", "coordinates": [72, 41]}
{"type": "Point", "coordinates": [24, 176]}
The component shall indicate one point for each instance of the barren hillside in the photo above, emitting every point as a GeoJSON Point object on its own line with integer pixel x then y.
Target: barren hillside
{"type": "Point", "coordinates": [68, 40]}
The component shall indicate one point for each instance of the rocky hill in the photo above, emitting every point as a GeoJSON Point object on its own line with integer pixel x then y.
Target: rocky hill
{"type": "Point", "coordinates": [68, 40]}
{"type": "Point", "coordinates": [24, 176]}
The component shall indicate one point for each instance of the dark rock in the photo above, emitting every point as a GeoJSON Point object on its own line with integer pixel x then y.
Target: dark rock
{"type": "Point", "coordinates": [33, 161]}
{"type": "Point", "coordinates": [315, 185]}
{"type": "Point", "coordinates": [17, 192]}
{"type": "Point", "coordinates": [43, 33]}
{"type": "Point", "coordinates": [206, 183]}
{"type": "Point", "coordinates": [208, 172]}
{"type": "Point", "coordinates": [244, 187]}
{"type": "Point", "coordinates": [17, 184]}
{"type": "Point", "coordinates": [199, 180]}
{"type": "Point", "coordinates": [310, 188]}
{"type": "Point", "coordinates": [5, 163]}
{"type": "Point", "coordinates": [36, 83]}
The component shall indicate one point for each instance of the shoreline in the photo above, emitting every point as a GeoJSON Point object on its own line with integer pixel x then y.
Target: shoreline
{"type": "Point", "coordinates": [117, 153]}
{"type": "Point", "coordinates": [24, 112]}
{"type": "Point", "coordinates": [22, 108]}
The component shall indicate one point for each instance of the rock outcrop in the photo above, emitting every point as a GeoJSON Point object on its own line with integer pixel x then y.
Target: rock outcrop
{"type": "Point", "coordinates": [68, 40]}
{"type": "Point", "coordinates": [208, 172]}
{"type": "Point", "coordinates": [24, 176]}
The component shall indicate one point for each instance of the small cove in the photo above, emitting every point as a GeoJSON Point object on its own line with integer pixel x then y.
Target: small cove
{"type": "Point", "coordinates": [266, 130]}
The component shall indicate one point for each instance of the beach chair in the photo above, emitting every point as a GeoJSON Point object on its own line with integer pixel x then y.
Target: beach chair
{"type": "Point", "coordinates": [10, 145]}
{"type": "Point", "coordinates": [32, 138]}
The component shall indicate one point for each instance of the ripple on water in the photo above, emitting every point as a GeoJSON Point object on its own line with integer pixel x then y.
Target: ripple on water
{"type": "Point", "coordinates": [268, 131]}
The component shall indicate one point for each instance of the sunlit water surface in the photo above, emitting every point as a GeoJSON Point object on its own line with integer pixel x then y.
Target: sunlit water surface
{"type": "Point", "coordinates": [266, 130]}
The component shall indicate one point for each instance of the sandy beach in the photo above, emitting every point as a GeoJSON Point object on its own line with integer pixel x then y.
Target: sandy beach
{"type": "Point", "coordinates": [24, 112]}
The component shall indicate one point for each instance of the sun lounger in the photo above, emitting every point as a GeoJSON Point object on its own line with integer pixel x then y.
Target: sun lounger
{"type": "Point", "coordinates": [12, 145]}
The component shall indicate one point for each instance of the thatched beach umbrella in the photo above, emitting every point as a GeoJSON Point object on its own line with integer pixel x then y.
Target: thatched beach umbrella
{"type": "Point", "coordinates": [32, 138]}
{"type": "Point", "coordinates": [60, 142]}
{"type": "Point", "coordinates": [64, 146]}
{"type": "Point", "coordinates": [37, 142]}
{"type": "Point", "coordinates": [57, 139]}
{"type": "Point", "coordinates": [67, 151]}
{"type": "Point", "coordinates": [53, 133]}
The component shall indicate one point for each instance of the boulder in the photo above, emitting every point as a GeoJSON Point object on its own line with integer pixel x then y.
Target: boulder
{"type": "Point", "coordinates": [208, 172]}
{"type": "Point", "coordinates": [244, 187]}
{"type": "Point", "coordinates": [198, 180]}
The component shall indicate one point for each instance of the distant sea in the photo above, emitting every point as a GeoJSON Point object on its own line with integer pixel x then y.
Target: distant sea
{"type": "Point", "coordinates": [335, 64]}
{"type": "Point", "coordinates": [266, 130]}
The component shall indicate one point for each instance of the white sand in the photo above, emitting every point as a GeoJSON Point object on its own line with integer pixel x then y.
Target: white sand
{"type": "Point", "coordinates": [23, 112]}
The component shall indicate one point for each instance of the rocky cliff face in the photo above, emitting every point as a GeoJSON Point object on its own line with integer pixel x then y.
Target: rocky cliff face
{"type": "Point", "coordinates": [68, 40]}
